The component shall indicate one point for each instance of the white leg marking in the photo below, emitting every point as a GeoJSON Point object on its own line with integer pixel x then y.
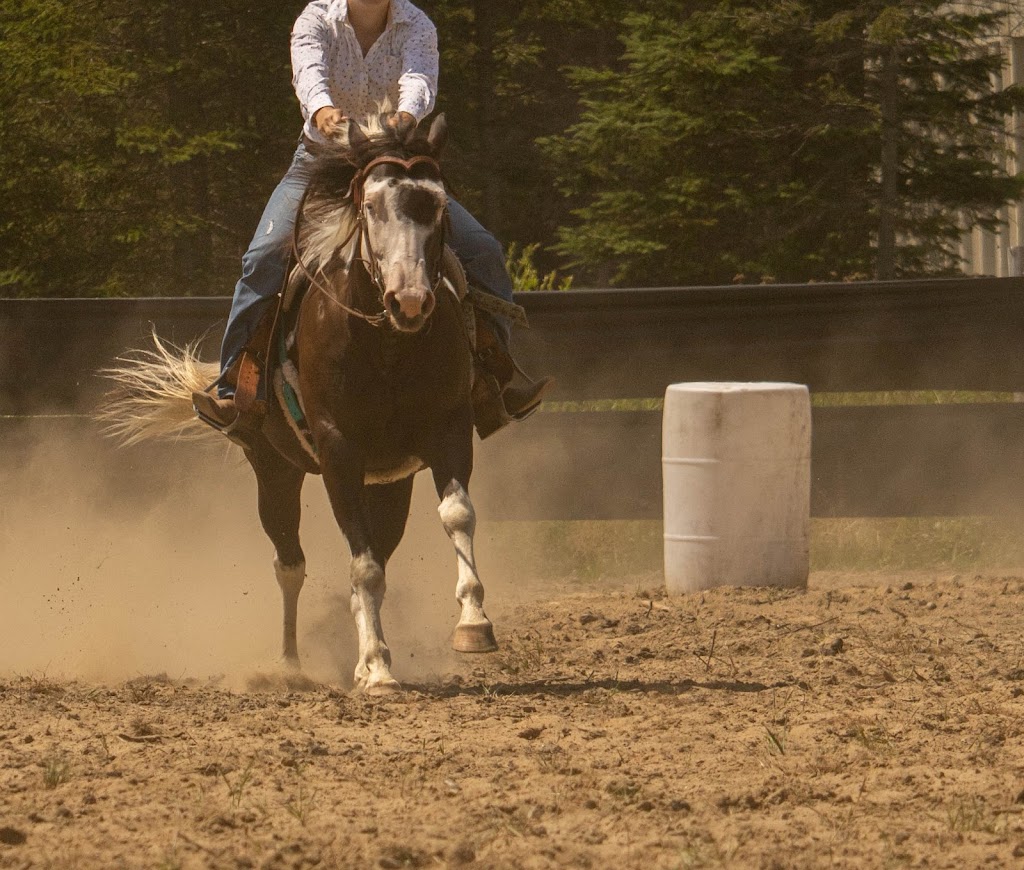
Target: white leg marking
{"type": "Point", "coordinates": [290, 578]}
{"type": "Point", "coordinates": [373, 672]}
{"type": "Point", "coordinates": [459, 520]}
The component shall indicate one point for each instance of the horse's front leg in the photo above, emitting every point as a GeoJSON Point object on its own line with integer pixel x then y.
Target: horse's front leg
{"type": "Point", "coordinates": [343, 471]}
{"type": "Point", "coordinates": [474, 632]}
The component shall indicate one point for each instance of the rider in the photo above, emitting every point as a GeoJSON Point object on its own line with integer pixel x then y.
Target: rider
{"type": "Point", "coordinates": [349, 57]}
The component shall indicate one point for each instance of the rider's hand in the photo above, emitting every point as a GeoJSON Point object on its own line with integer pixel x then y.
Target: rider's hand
{"type": "Point", "coordinates": [403, 122]}
{"type": "Point", "coordinates": [328, 120]}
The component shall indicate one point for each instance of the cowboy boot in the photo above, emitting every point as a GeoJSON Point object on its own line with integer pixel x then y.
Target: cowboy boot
{"type": "Point", "coordinates": [496, 403]}
{"type": "Point", "coordinates": [224, 416]}
{"type": "Point", "coordinates": [221, 413]}
{"type": "Point", "coordinates": [238, 420]}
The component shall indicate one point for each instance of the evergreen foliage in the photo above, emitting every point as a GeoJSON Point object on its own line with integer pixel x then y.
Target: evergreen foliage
{"type": "Point", "coordinates": [745, 140]}
{"type": "Point", "coordinates": [502, 87]}
{"type": "Point", "coordinates": [138, 142]}
{"type": "Point", "coordinates": [678, 142]}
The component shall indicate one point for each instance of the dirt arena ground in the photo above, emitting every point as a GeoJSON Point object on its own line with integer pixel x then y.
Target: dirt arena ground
{"type": "Point", "coordinates": [875, 720]}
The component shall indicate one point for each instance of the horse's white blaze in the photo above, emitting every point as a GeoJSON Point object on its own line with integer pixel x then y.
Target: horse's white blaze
{"type": "Point", "coordinates": [400, 243]}
{"type": "Point", "coordinates": [459, 520]}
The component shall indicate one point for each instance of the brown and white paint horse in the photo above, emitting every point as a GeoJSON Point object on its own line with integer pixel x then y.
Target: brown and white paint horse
{"type": "Point", "coordinates": [385, 372]}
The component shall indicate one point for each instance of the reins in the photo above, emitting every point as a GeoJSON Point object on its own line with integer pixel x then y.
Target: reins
{"type": "Point", "coordinates": [355, 193]}
{"type": "Point", "coordinates": [314, 283]}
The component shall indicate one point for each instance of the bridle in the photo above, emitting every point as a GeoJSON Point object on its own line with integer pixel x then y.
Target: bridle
{"type": "Point", "coordinates": [356, 192]}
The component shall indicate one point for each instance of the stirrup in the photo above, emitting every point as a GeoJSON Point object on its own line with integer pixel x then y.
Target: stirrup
{"type": "Point", "coordinates": [489, 412]}
{"type": "Point", "coordinates": [238, 430]}
{"type": "Point", "coordinates": [528, 398]}
{"type": "Point", "coordinates": [490, 407]}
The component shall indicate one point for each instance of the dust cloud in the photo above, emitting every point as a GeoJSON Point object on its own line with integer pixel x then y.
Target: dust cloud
{"type": "Point", "coordinates": [118, 563]}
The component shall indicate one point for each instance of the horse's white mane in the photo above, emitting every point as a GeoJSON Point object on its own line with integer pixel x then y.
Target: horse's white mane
{"type": "Point", "coordinates": [324, 227]}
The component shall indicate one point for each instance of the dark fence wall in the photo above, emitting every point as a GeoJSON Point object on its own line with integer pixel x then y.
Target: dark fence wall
{"type": "Point", "coordinates": [958, 334]}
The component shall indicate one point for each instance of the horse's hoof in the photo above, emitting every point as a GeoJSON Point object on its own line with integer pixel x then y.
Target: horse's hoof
{"type": "Point", "coordinates": [382, 689]}
{"type": "Point", "coordinates": [474, 638]}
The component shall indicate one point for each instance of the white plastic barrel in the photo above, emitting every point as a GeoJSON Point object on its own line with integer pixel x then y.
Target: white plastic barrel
{"type": "Point", "coordinates": [736, 463]}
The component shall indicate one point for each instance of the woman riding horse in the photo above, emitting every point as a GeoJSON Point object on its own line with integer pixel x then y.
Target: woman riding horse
{"type": "Point", "coordinates": [379, 354]}
{"type": "Point", "coordinates": [348, 58]}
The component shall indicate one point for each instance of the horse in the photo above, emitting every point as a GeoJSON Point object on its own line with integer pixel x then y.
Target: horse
{"type": "Point", "coordinates": [385, 373]}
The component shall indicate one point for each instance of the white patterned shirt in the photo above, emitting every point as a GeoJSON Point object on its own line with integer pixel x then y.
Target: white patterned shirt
{"type": "Point", "coordinates": [328, 67]}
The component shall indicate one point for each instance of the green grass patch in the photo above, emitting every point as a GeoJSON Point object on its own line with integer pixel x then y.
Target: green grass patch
{"type": "Point", "coordinates": [952, 543]}
{"type": "Point", "coordinates": [818, 400]}
{"type": "Point", "coordinates": [910, 397]}
{"type": "Point", "coordinates": [586, 551]}
{"type": "Point", "coordinates": [602, 405]}
{"type": "Point", "coordinates": [583, 550]}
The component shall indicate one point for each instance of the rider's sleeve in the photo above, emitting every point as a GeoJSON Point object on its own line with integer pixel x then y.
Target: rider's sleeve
{"type": "Point", "coordinates": [310, 45]}
{"type": "Point", "coordinates": [417, 87]}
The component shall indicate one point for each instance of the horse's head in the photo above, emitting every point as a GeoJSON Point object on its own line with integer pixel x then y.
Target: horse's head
{"type": "Point", "coordinates": [402, 210]}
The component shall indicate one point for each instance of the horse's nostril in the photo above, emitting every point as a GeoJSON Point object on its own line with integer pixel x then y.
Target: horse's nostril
{"type": "Point", "coordinates": [428, 304]}
{"type": "Point", "coordinates": [391, 302]}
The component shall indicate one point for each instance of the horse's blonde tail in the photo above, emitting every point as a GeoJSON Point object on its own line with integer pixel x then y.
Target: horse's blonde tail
{"type": "Point", "coordinates": [152, 394]}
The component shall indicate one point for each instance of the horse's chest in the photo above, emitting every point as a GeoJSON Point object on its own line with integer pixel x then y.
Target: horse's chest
{"type": "Point", "coordinates": [408, 380]}
{"type": "Point", "coordinates": [392, 415]}
{"type": "Point", "coordinates": [395, 397]}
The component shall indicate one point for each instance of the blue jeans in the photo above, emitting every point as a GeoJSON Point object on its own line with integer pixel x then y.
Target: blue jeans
{"type": "Point", "coordinates": [265, 262]}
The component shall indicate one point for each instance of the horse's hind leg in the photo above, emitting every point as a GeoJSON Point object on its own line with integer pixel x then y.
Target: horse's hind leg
{"type": "Point", "coordinates": [280, 506]}
{"type": "Point", "coordinates": [474, 632]}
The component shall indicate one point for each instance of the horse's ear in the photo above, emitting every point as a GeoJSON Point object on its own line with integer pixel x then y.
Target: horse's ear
{"type": "Point", "coordinates": [438, 135]}
{"type": "Point", "coordinates": [405, 127]}
{"type": "Point", "coordinates": [356, 136]}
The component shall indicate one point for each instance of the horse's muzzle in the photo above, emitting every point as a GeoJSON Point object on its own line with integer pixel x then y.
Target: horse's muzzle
{"type": "Point", "coordinates": [409, 310]}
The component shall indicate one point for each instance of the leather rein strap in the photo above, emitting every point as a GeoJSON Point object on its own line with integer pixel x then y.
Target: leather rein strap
{"type": "Point", "coordinates": [355, 189]}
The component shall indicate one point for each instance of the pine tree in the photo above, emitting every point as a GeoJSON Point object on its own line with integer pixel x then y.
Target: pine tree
{"type": "Point", "coordinates": [57, 84]}
{"type": "Point", "coordinates": [503, 86]}
{"type": "Point", "coordinates": [932, 81]}
{"type": "Point", "coordinates": [138, 143]}
{"type": "Point", "coordinates": [748, 140]}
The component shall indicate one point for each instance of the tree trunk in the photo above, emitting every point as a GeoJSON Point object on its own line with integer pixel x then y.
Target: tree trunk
{"type": "Point", "coordinates": [885, 264]}
{"type": "Point", "coordinates": [191, 250]}
{"type": "Point", "coordinates": [485, 17]}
